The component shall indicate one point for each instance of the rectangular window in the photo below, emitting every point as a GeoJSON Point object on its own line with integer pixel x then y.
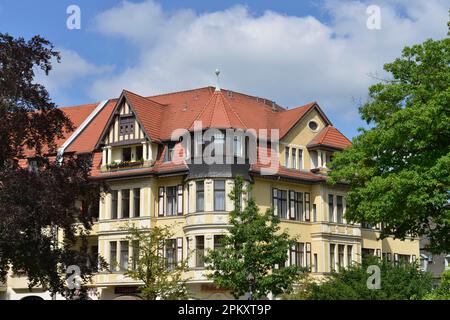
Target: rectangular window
{"type": "Point", "coordinates": [125, 203]}
{"type": "Point", "coordinates": [365, 253]}
{"type": "Point", "coordinates": [316, 263]}
{"type": "Point", "coordinates": [199, 251]}
{"type": "Point", "coordinates": [300, 159]}
{"type": "Point", "coordinates": [171, 253]}
{"type": "Point", "coordinates": [219, 144]}
{"type": "Point", "coordinates": [339, 209]}
{"type": "Point", "coordinates": [180, 200]}
{"type": "Point", "coordinates": [341, 249]}
{"type": "Point", "coordinates": [332, 260]}
{"type": "Point", "coordinates": [330, 208]}
{"type": "Point", "coordinates": [297, 254]}
{"type": "Point", "coordinates": [139, 153]}
{"type": "Point", "coordinates": [296, 205]}
{"type": "Point", "coordinates": [237, 146]}
{"type": "Point", "coordinates": [349, 255]}
{"type": "Point", "coordinates": [126, 154]}
{"type": "Point", "coordinates": [137, 202]}
{"type": "Point", "coordinates": [135, 245]}
{"type": "Point", "coordinates": [168, 155]}
{"type": "Point", "coordinates": [308, 256]}
{"type": "Point", "coordinates": [161, 201]}
{"type": "Point", "coordinates": [294, 159]}
{"type": "Point", "coordinates": [171, 201]}
{"type": "Point", "coordinates": [286, 155]}
{"type": "Point", "coordinates": [113, 255]}
{"type": "Point", "coordinates": [314, 212]}
{"type": "Point", "coordinates": [219, 195]}
{"type": "Point", "coordinates": [200, 196]}
{"type": "Point", "coordinates": [124, 255]}
{"type": "Point", "coordinates": [307, 206]}
{"type": "Point", "coordinates": [218, 242]}
{"type": "Point", "coordinates": [114, 203]}
{"type": "Point", "coordinates": [93, 261]}
{"type": "Point", "coordinates": [279, 203]}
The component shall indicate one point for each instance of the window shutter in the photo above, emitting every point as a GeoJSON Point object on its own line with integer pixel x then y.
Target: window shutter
{"type": "Point", "coordinates": [395, 258]}
{"type": "Point", "coordinates": [161, 201]}
{"type": "Point", "coordinates": [291, 205]}
{"type": "Point", "coordinates": [307, 206]}
{"type": "Point", "coordinates": [180, 200]}
{"type": "Point", "coordinates": [308, 255]}
{"type": "Point", "coordinates": [179, 250]}
{"type": "Point", "coordinates": [274, 201]}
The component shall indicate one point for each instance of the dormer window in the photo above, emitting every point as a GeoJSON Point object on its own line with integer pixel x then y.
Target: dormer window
{"type": "Point", "coordinates": [126, 125]}
{"type": "Point", "coordinates": [168, 155]}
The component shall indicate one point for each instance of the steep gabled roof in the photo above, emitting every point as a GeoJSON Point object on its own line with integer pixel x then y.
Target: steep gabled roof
{"type": "Point", "coordinates": [330, 137]}
{"type": "Point", "coordinates": [218, 113]}
{"type": "Point", "coordinates": [160, 115]}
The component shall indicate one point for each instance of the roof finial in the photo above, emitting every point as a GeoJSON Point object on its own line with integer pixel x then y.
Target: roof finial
{"type": "Point", "coordinates": [217, 72]}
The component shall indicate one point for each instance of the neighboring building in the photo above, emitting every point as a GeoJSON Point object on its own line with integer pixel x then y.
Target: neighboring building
{"type": "Point", "coordinates": [129, 139]}
{"type": "Point", "coordinates": [433, 263]}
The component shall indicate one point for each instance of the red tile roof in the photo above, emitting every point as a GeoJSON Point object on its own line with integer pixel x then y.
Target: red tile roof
{"type": "Point", "coordinates": [330, 137]}
{"type": "Point", "coordinates": [161, 114]}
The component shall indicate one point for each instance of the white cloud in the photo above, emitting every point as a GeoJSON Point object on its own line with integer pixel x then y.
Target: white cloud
{"type": "Point", "coordinates": [290, 59]}
{"type": "Point", "coordinates": [71, 68]}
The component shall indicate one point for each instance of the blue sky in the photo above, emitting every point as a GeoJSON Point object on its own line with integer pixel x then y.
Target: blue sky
{"type": "Point", "coordinates": [292, 52]}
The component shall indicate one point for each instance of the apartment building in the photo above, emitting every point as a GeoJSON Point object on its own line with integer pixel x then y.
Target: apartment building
{"type": "Point", "coordinates": [155, 181]}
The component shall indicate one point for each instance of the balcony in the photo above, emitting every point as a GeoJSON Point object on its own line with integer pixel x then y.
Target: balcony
{"type": "Point", "coordinates": [126, 165]}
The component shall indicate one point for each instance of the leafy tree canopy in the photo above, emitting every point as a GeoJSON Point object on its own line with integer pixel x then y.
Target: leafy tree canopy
{"type": "Point", "coordinates": [398, 171]}
{"type": "Point", "coordinates": [403, 282]}
{"type": "Point", "coordinates": [254, 246]}
{"type": "Point", "coordinates": [149, 265]}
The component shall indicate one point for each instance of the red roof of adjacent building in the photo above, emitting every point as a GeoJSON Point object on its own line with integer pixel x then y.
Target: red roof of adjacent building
{"type": "Point", "coordinates": [330, 137]}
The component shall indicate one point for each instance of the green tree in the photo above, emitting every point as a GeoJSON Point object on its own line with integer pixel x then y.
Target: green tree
{"type": "Point", "coordinates": [442, 292]}
{"type": "Point", "coordinates": [161, 279]}
{"type": "Point", "coordinates": [398, 170]}
{"type": "Point", "coordinates": [403, 282]}
{"type": "Point", "coordinates": [254, 246]}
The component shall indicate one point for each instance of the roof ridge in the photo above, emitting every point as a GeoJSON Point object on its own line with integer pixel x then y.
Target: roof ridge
{"type": "Point", "coordinates": [181, 91]}
{"type": "Point", "coordinates": [220, 95]}
{"type": "Point", "coordinates": [235, 113]}
{"type": "Point", "coordinates": [146, 98]}
{"type": "Point", "coordinates": [202, 111]}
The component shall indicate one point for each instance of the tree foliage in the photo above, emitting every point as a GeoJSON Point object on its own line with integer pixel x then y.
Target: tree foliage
{"type": "Point", "coordinates": [399, 169]}
{"type": "Point", "coordinates": [36, 205]}
{"type": "Point", "coordinates": [254, 246]}
{"type": "Point", "coordinates": [403, 282]}
{"type": "Point", "coordinates": [442, 292]}
{"type": "Point", "coordinates": [160, 281]}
